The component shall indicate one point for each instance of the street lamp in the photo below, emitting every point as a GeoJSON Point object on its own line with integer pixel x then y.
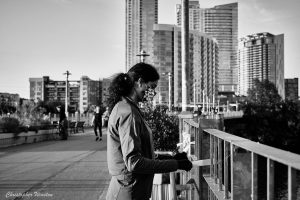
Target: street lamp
{"type": "Point", "coordinates": [67, 73]}
{"type": "Point", "coordinates": [194, 84]}
{"type": "Point", "coordinates": [143, 56]}
{"type": "Point", "coordinates": [170, 89]}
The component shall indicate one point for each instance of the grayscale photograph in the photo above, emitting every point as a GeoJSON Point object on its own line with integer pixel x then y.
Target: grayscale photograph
{"type": "Point", "coordinates": [149, 100]}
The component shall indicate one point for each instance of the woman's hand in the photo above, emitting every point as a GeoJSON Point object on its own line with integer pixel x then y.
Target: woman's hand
{"type": "Point", "coordinates": [180, 156]}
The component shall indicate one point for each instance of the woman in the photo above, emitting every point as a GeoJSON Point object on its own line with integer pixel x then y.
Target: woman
{"type": "Point", "coordinates": [63, 123]}
{"type": "Point", "coordinates": [130, 154]}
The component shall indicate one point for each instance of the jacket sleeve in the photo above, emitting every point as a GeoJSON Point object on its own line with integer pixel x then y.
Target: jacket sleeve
{"type": "Point", "coordinates": [130, 133]}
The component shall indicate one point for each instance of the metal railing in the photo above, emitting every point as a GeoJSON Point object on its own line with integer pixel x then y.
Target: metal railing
{"type": "Point", "coordinates": [229, 167]}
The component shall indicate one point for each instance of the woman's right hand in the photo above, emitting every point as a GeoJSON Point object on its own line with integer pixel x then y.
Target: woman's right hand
{"type": "Point", "coordinates": [185, 164]}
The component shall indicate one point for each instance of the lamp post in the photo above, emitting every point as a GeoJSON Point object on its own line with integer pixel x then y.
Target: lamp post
{"type": "Point", "coordinates": [67, 73]}
{"type": "Point", "coordinates": [170, 90]}
{"type": "Point", "coordinates": [203, 101]}
{"type": "Point", "coordinates": [194, 96]}
{"type": "Point", "coordinates": [143, 56]}
{"type": "Point", "coordinates": [184, 52]}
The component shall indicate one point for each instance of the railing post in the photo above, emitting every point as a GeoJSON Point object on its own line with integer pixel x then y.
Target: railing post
{"type": "Point", "coordinates": [226, 157]}
{"type": "Point", "coordinates": [220, 169]}
{"type": "Point", "coordinates": [253, 176]}
{"type": "Point", "coordinates": [270, 179]}
{"type": "Point", "coordinates": [182, 116]}
{"type": "Point", "coordinates": [292, 183]}
{"type": "Point", "coordinates": [231, 169]}
{"type": "Point", "coordinates": [172, 187]}
{"type": "Point", "coordinates": [211, 152]}
{"type": "Point", "coordinates": [216, 159]}
{"type": "Point", "coordinates": [199, 170]}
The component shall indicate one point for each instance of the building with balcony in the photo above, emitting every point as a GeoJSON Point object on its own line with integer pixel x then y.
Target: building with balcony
{"type": "Point", "coordinates": [81, 93]}
{"type": "Point", "coordinates": [220, 22]}
{"type": "Point", "coordinates": [37, 88]}
{"type": "Point", "coordinates": [90, 93]}
{"type": "Point", "coordinates": [261, 56]}
{"type": "Point", "coordinates": [140, 17]}
{"type": "Point", "coordinates": [202, 70]}
{"type": "Point", "coordinates": [8, 100]}
{"type": "Point", "coordinates": [291, 89]}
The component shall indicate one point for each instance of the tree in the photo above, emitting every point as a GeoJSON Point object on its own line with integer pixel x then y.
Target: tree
{"type": "Point", "coordinates": [270, 120]}
{"type": "Point", "coordinates": [165, 128]}
{"type": "Point", "coordinates": [264, 93]}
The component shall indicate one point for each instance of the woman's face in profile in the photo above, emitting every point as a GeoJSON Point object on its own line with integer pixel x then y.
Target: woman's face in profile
{"type": "Point", "coordinates": [146, 90]}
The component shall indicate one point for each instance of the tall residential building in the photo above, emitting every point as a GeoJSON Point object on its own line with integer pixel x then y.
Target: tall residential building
{"type": "Point", "coordinates": [82, 93]}
{"type": "Point", "coordinates": [220, 22]}
{"type": "Point", "coordinates": [56, 91]}
{"type": "Point", "coordinates": [140, 17]}
{"type": "Point", "coordinates": [291, 89]}
{"type": "Point", "coordinates": [261, 56]}
{"type": "Point", "coordinates": [203, 65]}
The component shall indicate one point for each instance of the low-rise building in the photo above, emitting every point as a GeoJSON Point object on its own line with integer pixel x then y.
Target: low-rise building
{"type": "Point", "coordinates": [291, 89]}
{"type": "Point", "coordinates": [81, 93]}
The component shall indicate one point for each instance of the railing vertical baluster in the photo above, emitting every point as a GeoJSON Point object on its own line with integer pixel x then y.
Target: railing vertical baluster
{"type": "Point", "coordinates": [211, 143]}
{"type": "Point", "coordinates": [199, 172]}
{"type": "Point", "coordinates": [231, 168]}
{"type": "Point", "coordinates": [226, 195]}
{"type": "Point", "coordinates": [253, 176]}
{"type": "Point", "coordinates": [220, 168]}
{"type": "Point", "coordinates": [270, 179]}
{"type": "Point", "coordinates": [216, 159]}
{"type": "Point", "coordinates": [172, 188]}
{"type": "Point", "coordinates": [292, 183]}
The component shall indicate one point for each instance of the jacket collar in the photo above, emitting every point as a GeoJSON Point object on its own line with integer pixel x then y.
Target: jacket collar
{"type": "Point", "coordinates": [132, 103]}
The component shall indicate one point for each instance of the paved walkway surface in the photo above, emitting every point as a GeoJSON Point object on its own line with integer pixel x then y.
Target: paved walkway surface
{"type": "Point", "coordinates": [75, 169]}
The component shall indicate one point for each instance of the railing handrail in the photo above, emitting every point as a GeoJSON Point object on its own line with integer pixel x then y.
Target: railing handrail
{"type": "Point", "coordinates": [279, 155]}
{"type": "Point", "coordinates": [229, 155]}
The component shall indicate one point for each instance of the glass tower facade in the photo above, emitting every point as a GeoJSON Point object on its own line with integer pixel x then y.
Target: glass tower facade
{"type": "Point", "coordinates": [140, 17]}
{"type": "Point", "coordinates": [220, 22]}
{"type": "Point", "coordinates": [261, 56]}
{"type": "Point", "coordinates": [203, 63]}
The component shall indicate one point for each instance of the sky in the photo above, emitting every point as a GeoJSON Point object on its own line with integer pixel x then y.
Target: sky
{"type": "Point", "coordinates": [87, 37]}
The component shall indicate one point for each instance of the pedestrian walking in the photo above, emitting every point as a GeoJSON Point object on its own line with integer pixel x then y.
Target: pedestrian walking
{"type": "Point", "coordinates": [97, 123]}
{"type": "Point", "coordinates": [130, 153]}
{"type": "Point", "coordinates": [63, 123]}
{"type": "Point", "coordinates": [105, 117]}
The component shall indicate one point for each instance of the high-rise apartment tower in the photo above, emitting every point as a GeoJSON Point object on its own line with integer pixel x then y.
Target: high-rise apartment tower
{"type": "Point", "coordinates": [261, 56]}
{"type": "Point", "coordinates": [202, 69]}
{"type": "Point", "coordinates": [140, 17]}
{"type": "Point", "coordinates": [220, 22]}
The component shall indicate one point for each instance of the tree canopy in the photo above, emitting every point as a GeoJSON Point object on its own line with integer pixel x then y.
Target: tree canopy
{"type": "Point", "coordinates": [270, 120]}
{"type": "Point", "coordinates": [264, 93]}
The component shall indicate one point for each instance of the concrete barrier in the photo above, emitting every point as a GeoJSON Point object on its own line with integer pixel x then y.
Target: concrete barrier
{"type": "Point", "coordinates": [12, 139]}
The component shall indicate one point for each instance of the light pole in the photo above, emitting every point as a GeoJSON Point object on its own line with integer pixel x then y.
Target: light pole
{"type": "Point", "coordinates": [203, 101]}
{"type": "Point", "coordinates": [170, 89]}
{"type": "Point", "coordinates": [143, 56]}
{"type": "Point", "coordinates": [67, 73]}
{"type": "Point", "coordinates": [184, 52]}
{"type": "Point", "coordinates": [194, 96]}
